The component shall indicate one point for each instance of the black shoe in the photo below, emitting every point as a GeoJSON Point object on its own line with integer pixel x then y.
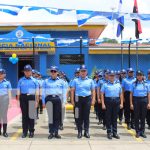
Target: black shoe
{"type": "Point", "coordinates": [87, 135]}
{"type": "Point", "coordinates": [104, 127]}
{"type": "Point", "coordinates": [79, 135]}
{"type": "Point", "coordinates": [109, 136]}
{"type": "Point", "coordinates": [148, 128]}
{"type": "Point", "coordinates": [128, 127]}
{"type": "Point", "coordinates": [61, 127]}
{"type": "Point", "coordinates": [31, 135]}
{"type": "Point", "coordinates": [115, 135]}
{"type": "Point", "coordinates": [120, 122]}
{"type": "Point", "coordinates": [137, 135]}
{"type": "Point", "coordinates": [132, 126]}
{"type": "Point", "coordinates": [143, 135]}
{"type": "Point", "coordinates": [57, 136]}
{"type": "Point", "coordinates": [24, 135]}
{"type": "Point", "coordinates": [5, 134]}
{"type": "Point", "coordinates": [41, 112]}
{"type": "Point", "coordinates": [51, 136]}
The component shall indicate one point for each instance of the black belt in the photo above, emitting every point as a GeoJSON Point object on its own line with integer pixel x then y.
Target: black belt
{"type": "Point", "coordinates": [112, 98]}
{"type": "Point", "coordinates": [140, 97]}
{"type": "Point", "coordinates": [84, 96]}
{"type": "Point", "coordinates": [26, 94]}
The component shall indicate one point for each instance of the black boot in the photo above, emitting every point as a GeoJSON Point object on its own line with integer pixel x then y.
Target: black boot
{"type": "Point", "coordinates": [79, 135]}
{"type": "Point", "coordinates": [5, 130]}
{"type": "Point", "coordinates": [86, 134]}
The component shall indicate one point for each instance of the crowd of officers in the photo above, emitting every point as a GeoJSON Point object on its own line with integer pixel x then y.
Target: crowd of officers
{"type": "Point", "coordinates": [114, 95]}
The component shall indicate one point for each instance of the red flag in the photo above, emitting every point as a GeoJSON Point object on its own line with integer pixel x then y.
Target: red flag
{"type": "Point", "coordinates": [138, 28]}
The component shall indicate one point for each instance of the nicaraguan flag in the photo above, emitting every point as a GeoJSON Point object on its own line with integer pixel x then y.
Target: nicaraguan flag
{"type": "Point", "coordinates": [84, 15]}
{"type": "Point", "coordinates": [120, 20]}
{"type": "Point", "coordinates": [53, 11]}
{"type": "Point", "coordinates": [10, 9]}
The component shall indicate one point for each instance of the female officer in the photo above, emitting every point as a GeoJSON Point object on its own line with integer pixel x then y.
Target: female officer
{"type": "Point", "coordinates": [5, 95]}
{"type": "Point", "coordinates": [54, 96]}
{"type": "Point", "coordinates": [113, 98]}
{"type": "Point", "coordinates": [83, 90]}
{"type": "Point", "coordinates": [139, 102]}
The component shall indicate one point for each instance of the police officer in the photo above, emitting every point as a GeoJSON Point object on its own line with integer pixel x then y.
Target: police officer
{"type": "Point", "coordinates": [126, 83]}
{"type": "Point", "coordinates": [121, 111]}
{"type": "Point", "coordinates": [148, 111]}
{"type": "Point", "coordinates": [5, 96]}
{"type": "Point", "coordinates": [99, 86]}
{"type": "Point", "coordinates": [28, 95]}
{"type": "Point", "coordinates": [83, 90]}
{"type": "Point", "coordinates": [113, 99]}
{"type": "Point", "coordinates": [139, 102]}
{"type": "Point", "coordinates": [54, 96]}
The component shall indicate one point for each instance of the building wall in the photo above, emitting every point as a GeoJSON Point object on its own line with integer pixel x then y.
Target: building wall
{"type": "Point", "coordinates": [114, 62]}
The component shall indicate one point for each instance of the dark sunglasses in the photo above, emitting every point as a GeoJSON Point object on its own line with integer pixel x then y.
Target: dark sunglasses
{"type": "Point", "coordinates": [53, 71]}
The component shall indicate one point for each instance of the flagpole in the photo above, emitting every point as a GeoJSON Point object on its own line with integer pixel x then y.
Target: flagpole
{"type": "Point", "coordinates": [129, 54]}
{"type": "Point", "coordinates": [121, 52]}
{"type": "Point", "coordinates": [137, 56]}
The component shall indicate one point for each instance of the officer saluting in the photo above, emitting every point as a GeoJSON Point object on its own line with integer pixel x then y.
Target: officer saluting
{"type": "Point", "coordinates": [139, 102]}
{"type": "Point", "coordinates": [83, 90]}
{"type": "Point", "coordinates": [54, 95]}
{"type": "Point", "coordinates": [113, 99]}
{"type": "Point", "coordinates": [5, 95]}
{"type": "Point", "coordinates": [28, 95]}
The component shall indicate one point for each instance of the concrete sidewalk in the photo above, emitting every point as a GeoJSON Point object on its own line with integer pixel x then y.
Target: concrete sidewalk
{"type": "Point", "coordinates": [69, 141]}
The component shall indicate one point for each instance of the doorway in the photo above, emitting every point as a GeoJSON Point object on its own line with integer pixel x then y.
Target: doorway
{"type": "Point", "coordinates": [22, 62]}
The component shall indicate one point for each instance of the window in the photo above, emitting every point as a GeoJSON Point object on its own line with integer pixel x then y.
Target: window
{"type": "Point", "coordinates": [71, 59]}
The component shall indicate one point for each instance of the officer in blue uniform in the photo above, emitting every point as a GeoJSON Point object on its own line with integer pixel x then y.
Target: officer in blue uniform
{"type": "Point", "coordinates": [139, 102]}
{"type": "Point", "coordinates": [121, 111]}
{"type": "Point", "coordinates": [54, 96]}
{"type": "Point", "coordinates": [28, 95]}
{"type": "Point", "coordinates": [83, 92]}
{"type": "Point", "coordinates": [5, 96]}
{"type": "Point", "coordinates": [126, 84]}
{"type": "Point", "coordinates": [99, 86]}
{"type": "Point", "coordinates": [148, 111]}
{"type": "Point", "coordinates": [113, 99]}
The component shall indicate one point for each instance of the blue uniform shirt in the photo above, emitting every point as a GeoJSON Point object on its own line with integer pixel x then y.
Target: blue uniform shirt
{"type": "Point", "coordinates": [111, 89]}
{"type": "Point", "coordinates": [28, 85]}
{"type": "Point", "coordinates": [127, 82]}
{"type": "Point", "coordinates": [83, 87]}
{"type": "Point", "coordinates": [4, 87]}
{"type": "Point", "coordinates": [141, 89]}
{"type": "Point", "coordinates": [101, 82]}
{"type": "Point", "coordinates": [54, 87]}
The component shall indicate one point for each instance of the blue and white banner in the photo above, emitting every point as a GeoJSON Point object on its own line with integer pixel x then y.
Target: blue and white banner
{"type": "Point", "coordinates": [10, 9]}
{"type": "Point", "coordinates": [99, 41]}
{"type": "Point", "coordinates": [66, 42]}
{"type": "Point", "coordinates": [53, 11]}
{"type": "Point", "coordinates": [84, 15]}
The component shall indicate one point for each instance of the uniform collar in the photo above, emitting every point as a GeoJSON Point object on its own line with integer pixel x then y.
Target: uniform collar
{"type": "Point", "coordinates": [130, 77]}
{"type": "Point", "coordinates": [50, 78]}
{"type": "Point", "coordinates": [140, 82]}
{"type": "Point", "coordinates": [28, 77]}
{"type": "Point", "coordinates": [111, 82]}
{"type": "Point", "coordinates": [3, 80]}
{"type": "Point", "coordinates": [84, 78]}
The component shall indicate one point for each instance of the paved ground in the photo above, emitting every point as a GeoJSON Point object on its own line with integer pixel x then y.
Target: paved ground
{"type": "Point", "coordinates": [69, 141]}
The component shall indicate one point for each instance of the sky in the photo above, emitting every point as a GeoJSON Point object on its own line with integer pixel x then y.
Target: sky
{"type": "Point", "coordinates": [98, 5]}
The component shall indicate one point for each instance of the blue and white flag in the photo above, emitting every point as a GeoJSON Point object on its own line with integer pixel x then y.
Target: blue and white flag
{"type": "Point", "coordinates": [84, 15]}
{"type": "Point", "coordinates": [120, 20]}
{"type": "Point", "coordinates": [66, 42]}
{"type": "Point", "coordinates": [53, 11]}
{"type": "Point", "coordinates": [99, 41]}
{"type": "Point", "coordinates": [10, 9]}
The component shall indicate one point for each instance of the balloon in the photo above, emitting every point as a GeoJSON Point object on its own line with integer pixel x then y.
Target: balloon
{"type": "Point", "coordinates": [14, 55]}
{"type": "Point", "coordinates": [13, 60]}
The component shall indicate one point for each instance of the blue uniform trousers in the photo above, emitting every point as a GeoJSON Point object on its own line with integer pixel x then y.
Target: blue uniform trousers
{"type": "Point", "coordinates": [111, 114]}
{"type": "Point", "coordinates": [27, 122]}
{"type": "Point", "coordinates": [82, 112]}
{"type": "Point", "coordinates": [140, 110]}
{"type": "Point", "coordinates": [55, 113]}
